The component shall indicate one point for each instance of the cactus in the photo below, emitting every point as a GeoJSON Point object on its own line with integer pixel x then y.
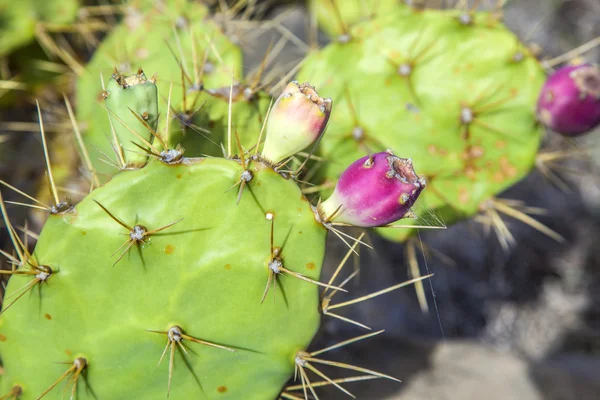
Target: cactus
{"type": "Point", "coordinates": [569, 102]}
{"type": "Point", "coordinates": [455, 90]}
{"type": "Point", "coordinates": [132, 104]}
{"type": "Point", "coordinates": [166, 252]}
{"type": "Point", "coordinates": [194, 64]}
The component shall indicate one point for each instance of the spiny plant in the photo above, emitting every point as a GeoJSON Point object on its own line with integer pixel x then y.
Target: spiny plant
{"type": "Point", "coordinates": [193, 59]}
{"type": "Point", "coordinates": [455, 89]}
{"type": "Point", "coordinates": [208, 266]}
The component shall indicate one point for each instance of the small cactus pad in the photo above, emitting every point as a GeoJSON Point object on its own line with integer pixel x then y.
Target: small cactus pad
{"type": "Point", "coordinates": [164, 256]}
{"type": "Point", "coordinates": [454, 91]}
{"type": "Point", "coordinates": [132, 102]}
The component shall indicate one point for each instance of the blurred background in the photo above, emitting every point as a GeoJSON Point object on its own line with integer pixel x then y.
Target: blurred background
{"type": "Point", "coordinates": [522, 323]}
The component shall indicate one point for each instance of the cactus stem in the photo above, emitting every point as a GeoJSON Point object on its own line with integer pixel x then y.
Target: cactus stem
{"type": "Point", "coordinates": [176, 336]}
{"type": "Point", "coordinates": [275, 266]}
{"type": "Point", "coordinates": [138, 234]}
{"type": "Point", "coordinates": [75, 369]}
{"type": "Point", "coordinates": [15, 392]}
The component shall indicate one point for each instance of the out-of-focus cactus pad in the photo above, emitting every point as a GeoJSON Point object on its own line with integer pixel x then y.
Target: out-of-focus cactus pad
{"type": "Point", "coordinates": [454, 91]}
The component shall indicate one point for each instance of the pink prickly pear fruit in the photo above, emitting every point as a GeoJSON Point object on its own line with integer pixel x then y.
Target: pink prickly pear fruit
{"type": "Point", "coordinates": [297, 120]}
{"type": "Point", "coordinates": [374, 191]}
{"type": "Point", "coordinates": [569, 102]}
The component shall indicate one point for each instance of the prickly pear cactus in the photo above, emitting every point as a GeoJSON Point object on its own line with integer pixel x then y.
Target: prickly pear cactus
{"type": "Point", "coordinates": [97, 308]}
{"type": "Point", "coordinates": [194, 64]}
{"type": "Point", "coordinates": [209, 267]}
{"type": "Point", "coordinates": [457, 91]}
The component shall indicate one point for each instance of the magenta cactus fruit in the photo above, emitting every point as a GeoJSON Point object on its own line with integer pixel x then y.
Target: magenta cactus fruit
{"type": "Point", "coordinates": [297, 120]}
{"type": "Point", "coordinates": [569, 102]}
{"type": "Point", "coordinates": [375, 190]}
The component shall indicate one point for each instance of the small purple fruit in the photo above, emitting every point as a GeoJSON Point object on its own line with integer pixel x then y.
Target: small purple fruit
{"type": "Point", "coordinates": [374, 191]}
{"type": "Point", "coordinates": [569, 102]}
{"type": "Point", "coordinates": [296, 121]}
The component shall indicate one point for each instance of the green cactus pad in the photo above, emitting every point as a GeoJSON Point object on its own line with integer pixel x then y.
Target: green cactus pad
{"type": "Point", "coordinates": [456, 92]}
{"type": "Point", "coordinates": [158, 36]}
{"type": "Point", "coordinates": [202, 132]}
{"type": "Point", "coordinates": [205, 274]}
{"type": "Point", "coordinates": [126, 95]}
